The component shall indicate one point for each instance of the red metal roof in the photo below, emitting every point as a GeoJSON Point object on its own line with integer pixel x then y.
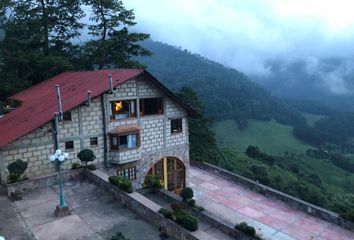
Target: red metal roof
{"type": "Point", "coordinates": [39, 102]}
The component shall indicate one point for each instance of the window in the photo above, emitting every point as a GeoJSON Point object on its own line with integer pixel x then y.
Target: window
{"type": "Point", "coordinates": [151, 106]}
{"type": "Point", "coordinates": [129, 172]}
{"type": "Point", "coordinates": [176, 125]}
{"type": "Point", "coordinates": [119, 142]}
{"type": "Point", "coordinates": [123, 109]}
{"type": "Point", "coordinates": [67, 116]}
{"type": "Point", "coordinates": [93, 141]}
{"type": "Point", "coordinates": [69, 145]}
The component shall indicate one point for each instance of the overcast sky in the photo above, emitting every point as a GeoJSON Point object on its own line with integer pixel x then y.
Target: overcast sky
{"type": "Point", "coordinates": [246, 33]}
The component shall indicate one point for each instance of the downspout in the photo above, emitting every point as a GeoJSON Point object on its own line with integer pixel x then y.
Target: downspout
{"type": "Point", "coordinates": [105, 162]}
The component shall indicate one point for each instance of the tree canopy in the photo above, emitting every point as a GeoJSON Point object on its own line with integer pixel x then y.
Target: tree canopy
{"type": "Point", "coordinates": [41, 38]}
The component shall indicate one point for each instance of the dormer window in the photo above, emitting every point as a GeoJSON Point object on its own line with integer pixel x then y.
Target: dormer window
{"type": "Point", "coordinates": [123, 109]}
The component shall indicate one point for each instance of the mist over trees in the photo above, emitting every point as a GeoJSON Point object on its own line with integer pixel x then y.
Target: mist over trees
{"type": "Point", "coordinates": [41, 39]}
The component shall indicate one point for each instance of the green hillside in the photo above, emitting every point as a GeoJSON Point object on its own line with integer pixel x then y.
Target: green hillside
{"type": "Point", "coordinates": [270, 136]}
{"type": "Point", "coordinates": [311, 119]}
{"type": "Point", "coordinates": [226, 92]}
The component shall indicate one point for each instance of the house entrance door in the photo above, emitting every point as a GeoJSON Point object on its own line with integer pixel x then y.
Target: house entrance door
{"type": "Point", "coordinates": [172, 172]}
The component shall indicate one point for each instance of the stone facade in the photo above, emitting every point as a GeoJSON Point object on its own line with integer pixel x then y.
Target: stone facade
{"type": "Point", "coordinates": [87, 125]}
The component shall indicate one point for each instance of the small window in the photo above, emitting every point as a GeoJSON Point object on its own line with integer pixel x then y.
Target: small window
{"type": "Point", "coordinates": [69, 145]}
{"type": "Point", "coordinates": [67, 116]}
{"type": "Point", "coordinates": [151, 106]}
{"type": "Point", "coordinates": [129, 172]}
{"type": "Point", "coordinates": [176, 125]}
{"type": "Point", "coordinates": [93, 141]}
{"type": "Point", "coordinates": [123, 109]}
{"type": "Point", "coordinates": [124, 141]}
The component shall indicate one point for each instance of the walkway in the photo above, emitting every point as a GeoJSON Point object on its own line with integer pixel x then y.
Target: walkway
{"type": "Point", "coordinates": [271, 218]}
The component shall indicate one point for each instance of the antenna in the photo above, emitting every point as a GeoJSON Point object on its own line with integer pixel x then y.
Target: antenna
{"type": "Point", "coordinates": [60, 107]}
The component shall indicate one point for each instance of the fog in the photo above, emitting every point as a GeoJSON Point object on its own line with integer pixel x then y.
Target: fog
{"type": "Point", "coordinates": [249, 34]}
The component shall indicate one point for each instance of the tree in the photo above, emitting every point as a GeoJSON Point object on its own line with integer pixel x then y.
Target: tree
{"type": "Point", "coordinates": [111, 44]}
{"type": "Point", "coordinates": [37, 42]}
{"type": "Point", "coordinates": [203, 145]}
{"type": "Point", "coordinates": [86, 155]}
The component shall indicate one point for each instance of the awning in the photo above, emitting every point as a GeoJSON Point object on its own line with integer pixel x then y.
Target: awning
{"type": "Point", "coordinates": [125, 129]}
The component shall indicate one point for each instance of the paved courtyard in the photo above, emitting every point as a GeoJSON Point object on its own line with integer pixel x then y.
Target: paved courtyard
{"type": "Point", "coordinates": [95, 216]}
{"type": "Point", "coordinates": [271, 218]}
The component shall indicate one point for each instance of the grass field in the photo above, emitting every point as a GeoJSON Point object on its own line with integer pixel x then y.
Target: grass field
{"type": "Point", "coordinates": [311, 119]}
{"type": "Point", "coordinates": [271, 137]}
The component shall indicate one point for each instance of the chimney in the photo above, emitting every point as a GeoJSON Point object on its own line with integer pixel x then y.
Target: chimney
{"type": "Point", "coordinates": [60, 107]}
{"type": "Point", "coordinates": [110, 83]}
{"type": "Point", "coordinates": [88, 98]}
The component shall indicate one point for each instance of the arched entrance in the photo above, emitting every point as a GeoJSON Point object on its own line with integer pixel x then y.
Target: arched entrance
{"type": "Point", "coordinates": [172, 172]}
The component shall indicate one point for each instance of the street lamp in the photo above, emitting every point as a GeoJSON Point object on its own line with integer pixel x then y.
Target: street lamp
{"type": "Point", "coordinates": [59, 157]}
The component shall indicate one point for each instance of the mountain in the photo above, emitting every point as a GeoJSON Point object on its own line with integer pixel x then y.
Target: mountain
{"type": "Point", "coordinates": [329, 81]}
{"type": "Point", "coordinates": [227, 93]}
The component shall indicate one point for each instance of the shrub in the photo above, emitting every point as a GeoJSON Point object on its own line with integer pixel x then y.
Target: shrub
{"type": "Point", "coordinates": [91, 167]}
{"type": "Point", "coordinates": [119, 236]}
{"type": "Point", "coordinates": [191, 202]}
{"type": "Point", "coordinates": [152, 181]}
{"type": "Point", "coordinates": [200, 208]}
{"type": "Point", "coordinates": [166, 213]}
{"type": "Point", "coordinates": [123, 183]}
{"type": "Point", "coordinates": [76, 166]}
{"type": "Point", "coordinates": [86, 155]}
{"type": "Point", "coordinates": [246, 229]}
{"type": "Point", "coordinates": [185, 219]}
{"type": "Point", "coordinates": [187, 193]}
{"type": "Point", "coordinates": [16, 169]}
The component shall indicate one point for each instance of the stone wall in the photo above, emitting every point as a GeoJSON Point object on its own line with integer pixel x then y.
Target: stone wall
{"type": "Point", "coordinates": [215, 221]}
{"type": "Point", "coordinates": [147, 210]}
{"type": "Point", "coordinates": [38, 145]}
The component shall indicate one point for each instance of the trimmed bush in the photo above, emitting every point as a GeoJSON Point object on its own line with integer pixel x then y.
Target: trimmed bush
{"type": "Point", "coordinates": [16, 169]}
{"type": "Point", "coordinates": [76, 165]}
{"type": "Point", "coordinates": [91, 167]}
{"type": "Point", "coordinates": [153, 182]}
{"type": "Point", "coordinates": [166, 213]}
{"type": "Point", "coordinates": [123, 183]}
{"type": "Point", "coordinates": [187, 193]}
{"type": "Point", "coordinates": [246, 229]}
{"type": "Point", "coordinates": [86, 155]}
{"type": "Point", "coordinates": [191, 202]}
{"type": "Point", "coordinates": [185, 219]}
{"type": "Point", "coordinates": [119, 236]}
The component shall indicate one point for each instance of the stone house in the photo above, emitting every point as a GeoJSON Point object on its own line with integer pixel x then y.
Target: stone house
{"type": "Point", "coordinates": [132, 122]}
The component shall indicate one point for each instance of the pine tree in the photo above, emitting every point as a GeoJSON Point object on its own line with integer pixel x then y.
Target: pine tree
{"type": "Point", "coordinates": [112, 45]}
{"type": "Point", "coordinates": [37, 42]}
{"type": "Point", "coordinates": [202, 141]}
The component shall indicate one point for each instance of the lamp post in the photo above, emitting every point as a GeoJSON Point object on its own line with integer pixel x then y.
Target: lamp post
{"type": "Point", "coordinates": [59, 157]}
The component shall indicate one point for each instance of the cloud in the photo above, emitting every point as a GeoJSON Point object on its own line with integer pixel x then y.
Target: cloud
{"type": "Point", "coordinates": [248, 34]}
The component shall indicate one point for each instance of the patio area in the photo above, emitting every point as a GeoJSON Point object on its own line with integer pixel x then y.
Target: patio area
{"type": "Point", "coordinates": [271, 218]}
{"type": "Point", "coordinates": [96, 215]}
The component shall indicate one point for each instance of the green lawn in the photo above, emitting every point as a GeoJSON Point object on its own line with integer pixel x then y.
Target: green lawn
{"type": "Point", "coordinates": [271, 136]}
{"type": "Point", "coordinates": [311, 119]}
